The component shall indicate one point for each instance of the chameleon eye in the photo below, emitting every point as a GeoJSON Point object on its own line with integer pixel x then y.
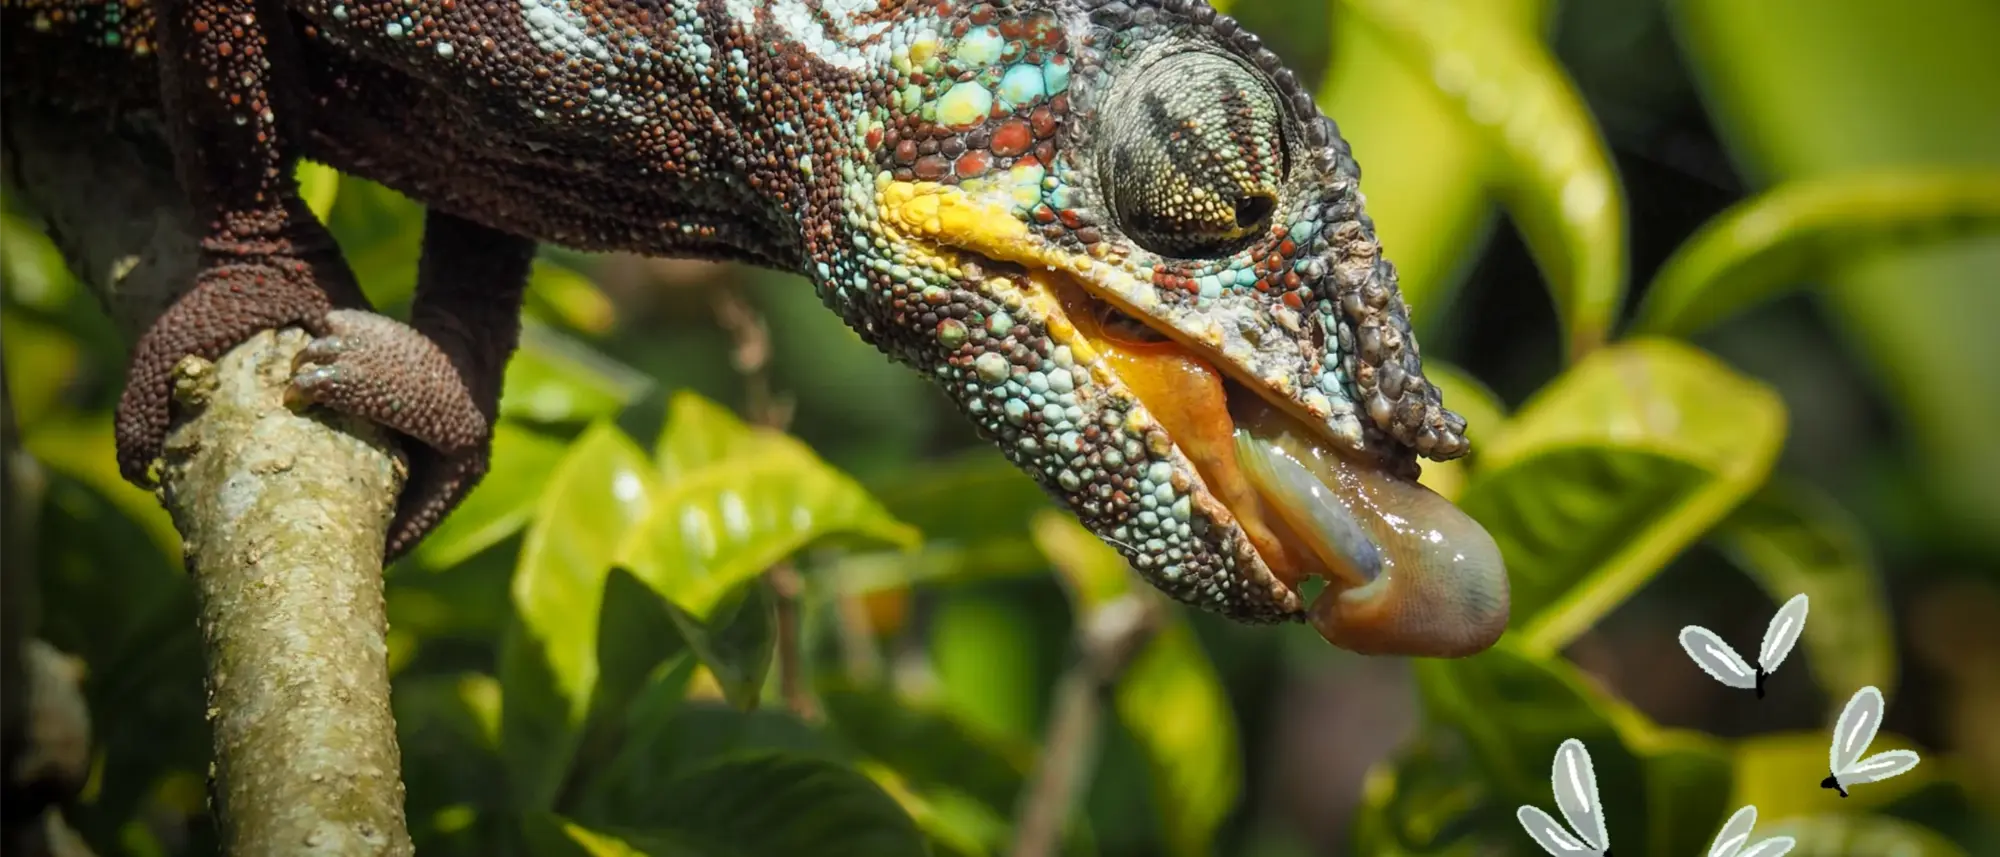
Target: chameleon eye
{"type": "Point", "coordinates": [1194, 155]}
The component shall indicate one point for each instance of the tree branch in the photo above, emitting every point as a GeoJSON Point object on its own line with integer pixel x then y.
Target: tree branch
{"type": "Point", "coordinates": [283, 516]}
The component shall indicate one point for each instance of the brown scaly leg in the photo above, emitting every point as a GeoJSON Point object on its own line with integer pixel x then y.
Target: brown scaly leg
{"type": "Point", "coordinates": [268, 263]}
{"type": "Point", "coordinates": [438, 382]}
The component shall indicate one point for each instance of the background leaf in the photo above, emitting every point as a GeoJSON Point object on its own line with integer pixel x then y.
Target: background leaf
{"type": "Point", "coordinates": [1556, 175]}
{"type": "Point", "coordinates": [769, 803]}
{"type": "Point", "coordinates": [1610, 471]}
{"type": "Point", "coordinates": [1792, 539]}
{"type": "Point", "coordinates": [1863, 836]}
{"type": "Point", "coordinates": [1802, 230]}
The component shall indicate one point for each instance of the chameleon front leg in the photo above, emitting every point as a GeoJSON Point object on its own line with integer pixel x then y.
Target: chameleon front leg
{"type": "Point", "coordinates": [267, 262]}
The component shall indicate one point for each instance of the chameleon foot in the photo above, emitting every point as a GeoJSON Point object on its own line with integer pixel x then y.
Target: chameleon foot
{"type": "Point", "coordinates": [382, 370]}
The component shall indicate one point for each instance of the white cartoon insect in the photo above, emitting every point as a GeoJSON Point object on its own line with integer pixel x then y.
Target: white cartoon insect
{"type": "Point", "coordinates": [1851, 735]}
{"type": "Point", "coordinates": [1575, 784]}
{"type": "Point", "coordinates": [1716, 658]}
{"type": "Point", "coordinates": [1734, 840]}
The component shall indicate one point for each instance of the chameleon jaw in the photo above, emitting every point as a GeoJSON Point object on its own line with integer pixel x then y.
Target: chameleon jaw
{"type": "Point", "coordinates": [1408, 572]}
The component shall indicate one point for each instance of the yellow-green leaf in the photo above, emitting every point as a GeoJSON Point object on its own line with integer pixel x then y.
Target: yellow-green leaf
{"type": "Point", "coordinates": [84, 449]}
{"type": "Point", "coordinates": [1485, 418]}
{"type": "Point", "coordinates": [522, 461]}
{"type": "Point", "coordinates": [1610, 471]}
{"type": "Point", "coordinates": [319, 186]}
{"type": "Point", "coordinates": [1173, 703]}
{"type": "Point", "coordinates": [1859, 836]}
{"type": "Point", "coordinates": [562, 294]}
{"type": "Point", "coordinates": [1792, 539]}
{"type": "Point", "coordinates": [556, 379]}
{"type": "Point", "coordinates": [1556, 176]}
{"type": "Point", "coordinates": [1095, 574]}
{"type": "Point", "coordinates": [717, 525]}
{"type": "Point", "coordinates": [599, 491]}
{"type": "Point", "coordinates": [737, 642]}
{"type": "Point", "coordinates": [1780, 773]}
{"type": "Point", "coordinates": [1801, 229]}
{"type": "Point", "coordinates": [699, 433]}
{"type": "Point", "coordinates": [1427, 173]}
{"type": "Point", "coordinates": [549, 661]}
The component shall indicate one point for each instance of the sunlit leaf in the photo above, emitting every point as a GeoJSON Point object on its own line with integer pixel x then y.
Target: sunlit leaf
{"type": "Point", "coordinates": [699, 433]}
{"type": "Point", "coordinates": [717, 526]}
{"type": "Point", "coordinates": [501, 504]}
{"type": "Point", "coordinates": [1801, 230]}
{"type": "Point", "coordinates": [549, 664]}
{"type": "Point", "coordinates": [1780, 772]}
{"type": "Point", "coordinates": [1610, 471]}
{"type": "Point", "coordinates": [1427, 173]}
{"type": "Point", "coordinates": [1171, 699]}
{"type": "Point", "coordinates": [319, 186]}
{"type": "Point", "coordinates": [1555, 175]}
{"type": "Point", "coordinates": [1427, 802]}
{"type": "Point", "coordinates": [956, 825]}
{"type": "Point", "coordinates": [1793, 540]}
{"type": "Point", "coordinates": [1856, 86]}
{"type": "Point", "coordinates": [560, 837]}
{"type": "Point", "coordinates": [555, 378]}
{"type": "Point", "coordinates": [1860, 836]}
{"type": "Point", "coordinates": [564, 295]}
{"type": "Point", "coordinates": [32, 267]}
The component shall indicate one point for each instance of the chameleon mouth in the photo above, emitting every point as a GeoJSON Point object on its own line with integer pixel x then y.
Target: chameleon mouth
{"type": "Point", "coordinates": [1406, 571]}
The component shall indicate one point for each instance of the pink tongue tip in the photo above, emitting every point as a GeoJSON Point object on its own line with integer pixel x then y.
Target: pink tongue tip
{"type": "Point", "coordinates": [1411, 573]}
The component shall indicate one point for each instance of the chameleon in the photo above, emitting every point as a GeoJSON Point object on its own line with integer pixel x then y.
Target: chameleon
{"type": "Point", "coordinates": [1118, 234]}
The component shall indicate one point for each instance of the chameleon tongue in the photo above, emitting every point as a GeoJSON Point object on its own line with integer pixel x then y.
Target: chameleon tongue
{"type": "Point", "coordinates": [1409, 573]}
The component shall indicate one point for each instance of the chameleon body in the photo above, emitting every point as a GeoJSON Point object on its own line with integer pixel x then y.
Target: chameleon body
{"type": "Point", "coordinates": [1022, 199]}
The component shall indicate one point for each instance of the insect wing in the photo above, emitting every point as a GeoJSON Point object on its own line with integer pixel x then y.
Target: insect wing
{"type": "Point", "coordinates": [1852, 732]}
{"type": "Point", "coordinates": [1575, 783]}
{"type": "Point", "coordinates": [1716, 658]}
{"type": "Point", "coordinates": [1734, 833]}
{"type": "Point", "coordinates": [1879, 767]}
{"type": "Point", "coordinates": [1776, 846]}
{"type": "Point", "coordinates": [1550, 835]}
{"type": "Point", "coordinates": [1783, 633]}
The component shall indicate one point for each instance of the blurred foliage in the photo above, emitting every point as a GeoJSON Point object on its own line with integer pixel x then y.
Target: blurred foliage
{"type": "Point", "coordinates": [1766, 235]}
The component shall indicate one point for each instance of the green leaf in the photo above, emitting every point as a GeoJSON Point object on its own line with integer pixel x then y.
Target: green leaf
{"type": "Point", "coordinates": [319, 186]}
{"type": "Point", "coordinates": [718, 525]}
{"type": "Point", "coordinates": [502, 503]}
{"type": "Point", "coordinates": [777, 804]}
{"type": "Point", "coordinates": [1513, 711]}
{"type": "Point", "coordinates": [564, 295]}
{"type": "Point", "coordinates": [1610, 471]}
{"type": "Point", "coordinates": [737, 641]}
{"type": "Point", "coordinates": [1172, 701]}
{"type": "Point", "coordinates": [1861, 86]}
{"type": "Point", "coordinates": [1555, 175]}
{"type": "Point", "coordinates": [1687, 787]}
{"type": "Point", "coordinates": [1804, 229]}
{"type": "Point", "coordinates": [1094, 574]}
{"type": "Point", "coordinates": [557, 379]}
{"type": "Point", "coordinates": [928, 745]}
{"type": "Point", "coordinates": [1485, 418]}
{"type": "Point", "coordinates": [549, 663]}
{"type": "Point", "coordinates": [1780, 773]}
{"type": "Point", "coordinates": [1860, 836]}
{"type": "Point", "coordinates": [84, 449]}
{"type": "Point", "coordinates": [1793, 539]}
{"type": "Point", "coordinates": [1428, 800]}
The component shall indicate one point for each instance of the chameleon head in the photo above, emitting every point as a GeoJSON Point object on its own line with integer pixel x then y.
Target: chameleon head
{"type": "Point", "coordinates": [1124, 239]}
